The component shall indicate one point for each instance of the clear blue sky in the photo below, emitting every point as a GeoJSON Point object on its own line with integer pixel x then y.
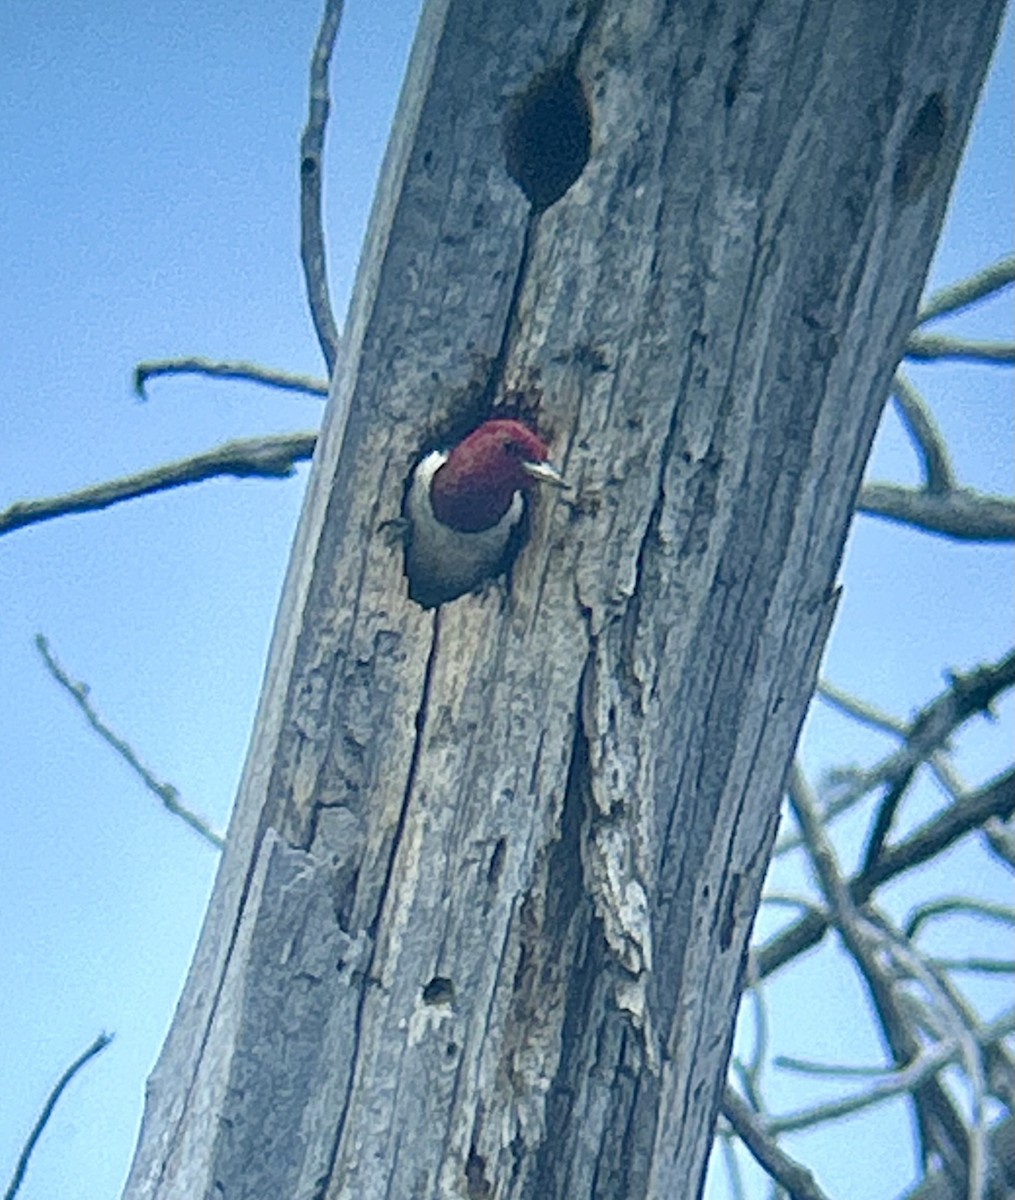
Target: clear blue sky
{"type": "Point", "coordinates": [149, 208]}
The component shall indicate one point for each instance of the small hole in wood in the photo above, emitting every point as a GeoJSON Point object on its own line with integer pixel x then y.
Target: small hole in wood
{"type": "Point", "coordinates": [438, 991]}
{"type": "Point", "coordinates": [496, 862]}
{"type": "Point", "coordinates": [475, 1176]}
{"type": "Point", "coordinates": [547, 136]}
{"type": "Point", "coordinates": [920, 149]}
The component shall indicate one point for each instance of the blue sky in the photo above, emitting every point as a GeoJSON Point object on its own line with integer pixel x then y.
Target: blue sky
{"type": "Point", "coordinates": [150, 209]}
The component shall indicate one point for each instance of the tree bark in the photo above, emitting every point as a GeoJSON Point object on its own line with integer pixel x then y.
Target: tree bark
{"type": "Point", "coordinates": [481, 923]}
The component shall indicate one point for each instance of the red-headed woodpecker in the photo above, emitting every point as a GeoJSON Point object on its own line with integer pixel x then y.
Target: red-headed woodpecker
{"type": "Point", "coordinates": [464, 505]}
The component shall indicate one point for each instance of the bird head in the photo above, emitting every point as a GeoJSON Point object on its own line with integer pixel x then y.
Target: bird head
{"type": "Point", "coordinates": [474, 487]}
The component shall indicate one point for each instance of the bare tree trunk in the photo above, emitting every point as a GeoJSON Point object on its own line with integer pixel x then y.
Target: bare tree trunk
{"type": "Point", "coordinates": [481, 923]}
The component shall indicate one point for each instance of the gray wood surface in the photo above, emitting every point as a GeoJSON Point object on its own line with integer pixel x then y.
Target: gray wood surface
{"type": "Point", "coordinates": [481, 924]}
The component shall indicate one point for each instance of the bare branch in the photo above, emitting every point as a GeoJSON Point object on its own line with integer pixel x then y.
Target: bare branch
{"type": "Point", "coordinates": [967, 695]}
{"type": "Point", "coordinates": [885, 960]}
{"type": "Point", "coordinates": [837, 893]}
{"type": "Point", "coordinates": [1000, 837]}
{"type": "Point", "coordinates": [1001, 1150]}
{"type": "Point", "coordinates": [807, 1066]}
{"type": "Point", "coordinates": [749, 1070]}
{"type": "Point", "coordinates": [227, 369]}
{"type": "Point", "coordinates": [946, 906]}
{"type": "Point", "coordinates": [859, 709]}
{"type": "Point", "coordinates": [888, 1081]}
{"type": "Point", "coordinates": [995, 799]}
{"type": "Point", "coordinates": [941, 1126]}
{"type": "Point", "coordinates": [961, 513]}
{"type": "Point", "coordinates": [312, 251]}
{"type": "Point", "coordinates": [884, 817]}
{"type": "Point", "coordinates": [169, 796]}
{"type": "Point", "coordinates": [786, 1171]}
{"type": "Point", "coordinates": [913, 1001]}
{"type": "Point", "coordinates": [965, 1145]}
{"type": "Point", "coordinates": [272, 457]}
{"type": "Point", "coordinates": [732, 1166]}
{"type": "Point", "coordinates": [896, 1083]}
{"type": "Point", "coordinates": [926, 437]}
{"type": "Point", "coordinates": [960, 295]}
{"type": "Point", "coordinates": [868, 714]}
{"type": "Point", "coordinates": [100, 1043]}
{"type": "Point", "coordinates": [970, 693]}
{"type": "Point", "coordinates": [975, 966]}
{"type": "Point", "coordinates": [932, 347]}
{"type": "Point", "coordinates": [784, 900]}
{"type": "Point", "coordinates": [991, 1037]}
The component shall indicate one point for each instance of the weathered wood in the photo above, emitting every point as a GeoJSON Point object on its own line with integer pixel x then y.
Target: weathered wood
{"type": "Point", "coordinates": [529, 834]}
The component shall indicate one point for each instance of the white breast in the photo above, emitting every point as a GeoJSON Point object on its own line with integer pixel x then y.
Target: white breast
{"type": "Point", "coordinates": [441, 562]}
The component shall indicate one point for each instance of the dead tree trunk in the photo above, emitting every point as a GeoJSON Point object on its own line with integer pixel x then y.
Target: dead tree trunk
{"type": "Point", "coordinates": [481, 924]}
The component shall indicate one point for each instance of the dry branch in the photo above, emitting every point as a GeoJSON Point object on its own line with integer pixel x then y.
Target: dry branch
{"type": "Point", "coordinates": [938, 476]}
{"type": "Point", "coordinates": [247, 372]}
{"type": "Point", "coordinates": [961, 295]}
{"type": "Point", "coordinates": [80, 693]}
{"type": "Point", "coordinates": [312, 251]}
{"type": "Point", "coordinates": [958, 513]}
{"type": "Point", "coordinates": [887, 963]}
{"type": "Point", "coordinates": [969, 694]}
{"type": "Point", "coordinates": [750, 1127]}
{"type": "Point", "coordinates": [931, 347]}
{"type": "Point", "coordinates": [266, 457]}
{"type": "Point", "coordinates": [100, 1043]}
{"type": "Point", "coordinates": [995, 799]}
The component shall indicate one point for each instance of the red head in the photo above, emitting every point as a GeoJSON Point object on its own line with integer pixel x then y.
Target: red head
{"type": "Point", "coordinates": [475, 486]}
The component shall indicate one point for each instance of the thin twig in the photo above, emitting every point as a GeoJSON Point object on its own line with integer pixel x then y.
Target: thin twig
{"type": "Point", "coordinates": [963, 514]}
{"type": "Point", "coordinates": [1000, 837]}
{"type": "Point", "coordinates": [876, 718]}
{"type": "Point", "coordinates": [790, 900]}
{"type": "Point", "coordinates": [786, 1171]}
{"type": "Point", "coordinates": [941, 1127]}
{"type": "Point", "coordinates": [807, 1066]}
{"type": "Point", "coordinates": [732, 1165]}
{"type": "Point", "coordinates": [100, 1043]}
{"type": "Point", "coordinates": [946, 775]}
{"type": "Point", "coordinates": [973, 692]}
{"type": "Point", "coordinates": [859, 710]}
{"type": "Point", "coordinates": [227, 369]}
{"type": "Point", "coordinates": [273, 457]}
{"type": "Point", "coordinates": [975, 966]}
{"type": "Point", "coordinates": [896, 1083]}
{"type": "Point", "coordinates": [884, 818]}
{"type": "Point", "coordinates": [937, 1185]}
{"type": "Point", "coordinates": [996, 798]}
{"type": "Point", "coordinates": [967, 695]}
{"type": "Point", "coordinates": [883, 960]}
{"type": "Point", "coordinates": [969, 1141]}
{"type": "Point", "coordinates": [938, 476]}
{"type": "Point", "coordinates": [312, 251]}
{"type": "Point", "coordinates": [990, 1037]}
{"type": "Point", "coordinates": [933, 347]}
{"type": "Point", "coordinates": [169, 796]}
{"type": "Point", "coordinates": [906, 1020]}
{"type": "Point", "coordinates": [960, 295]}
{"type": "Point", "coordinates": [948, 906]}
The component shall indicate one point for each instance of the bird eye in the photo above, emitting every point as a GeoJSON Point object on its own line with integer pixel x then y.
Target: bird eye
{"type": "Point", "coordinates": [515, 449]}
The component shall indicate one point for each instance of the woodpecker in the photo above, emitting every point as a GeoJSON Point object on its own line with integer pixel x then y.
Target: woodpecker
{"type": "Point", "coordinates": [464, 507]}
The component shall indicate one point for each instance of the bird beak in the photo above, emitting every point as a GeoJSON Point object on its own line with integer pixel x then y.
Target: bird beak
{"type": "Point", "coordinates": [545, 472]}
